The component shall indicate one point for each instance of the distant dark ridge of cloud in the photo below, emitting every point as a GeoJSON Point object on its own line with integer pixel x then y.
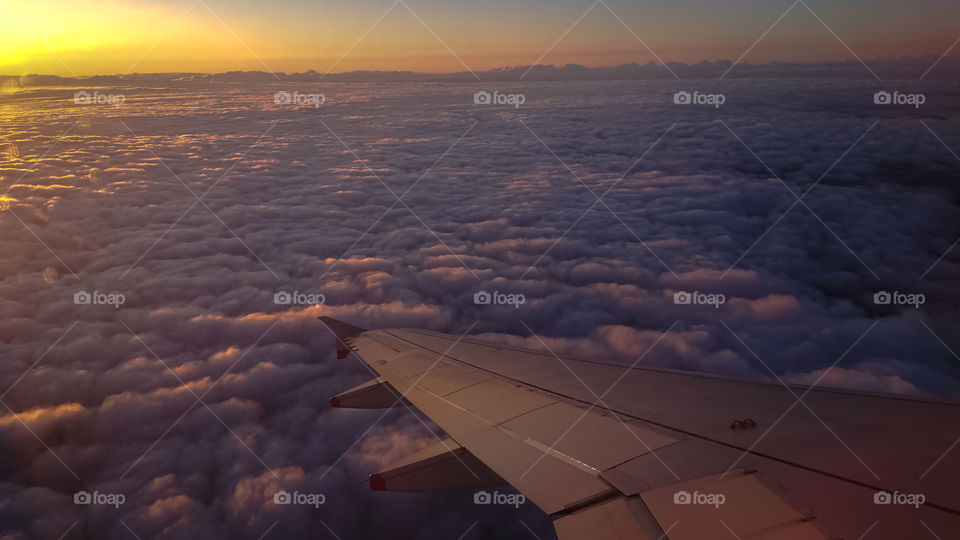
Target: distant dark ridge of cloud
{"type": "Point", "coordinates": [931, 67]}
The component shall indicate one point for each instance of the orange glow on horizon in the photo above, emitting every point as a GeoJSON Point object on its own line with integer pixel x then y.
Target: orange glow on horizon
{"type": "Point", "coordinates": [125, 36]}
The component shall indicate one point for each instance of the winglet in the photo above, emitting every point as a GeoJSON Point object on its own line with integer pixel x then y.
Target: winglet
{"type": "Point", "coordinates": [341, 329]}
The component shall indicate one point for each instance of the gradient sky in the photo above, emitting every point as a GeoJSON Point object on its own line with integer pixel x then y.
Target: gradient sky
{"type": "Point", "coordinates": [66, 37]}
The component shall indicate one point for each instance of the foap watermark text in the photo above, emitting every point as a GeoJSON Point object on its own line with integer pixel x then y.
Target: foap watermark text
{"type": "Point", "coordinates": [297, 99]}
{"type": "Point", "coordinates": [96, 98]}
{"type": "Point", "coordinates": [305, 499]}
{"type": "Point", "coordinates": [897, 298]}
{"type": "Point", "coordinates": [698, 98]}
{"type": "Point", "coordinates": [909, 499]}
{"type": "Point", "coordinates": [496, 98]}
{"type": "Point", "coordinates": [99, 298]}
{"type": "Point", "coordinates": [512, 499]}
{"type": "Point", "coordinates": [497, 298]}
{"type": "Point", "coordinates": [100, 499]}
{"type": "Point", "coordinates": [297, 298]}
{"type": "Point", "coordinates": [899, 98]}
{"type": "Point", "coordinates": [710, 499]}
{"type": "Point", "coordinates": [686, 298]}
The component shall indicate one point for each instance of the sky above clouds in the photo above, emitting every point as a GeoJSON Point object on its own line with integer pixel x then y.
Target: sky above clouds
{"type": "Point", "coordinates": [120, 36]}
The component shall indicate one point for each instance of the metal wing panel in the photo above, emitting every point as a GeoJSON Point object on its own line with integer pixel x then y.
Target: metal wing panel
{"type": "Point", "coordinates": [719, 507]}
{"type": "Point", "coordinates": [617, 519]}
{"type": "Point", "coordinates": [882, 441]}
{"type": "Point", "coordinates": [685, 459]}
{"type": "Point", "coordinates": [550, 483]}
{"type": "Point", "coordinates": [553, 476]}
{"type": "Point", "coordinates": [445, 379]}
{"type": "Point", "coordinates": [498, 401]}
{"type": "Point", "coordinates": [602, 441]}
{"type": "Point", "coordinates": [410, 365]}
{"type": "Point", "coordinates": [844, 509]}
{"type": "Point", "coordinates": [510, 406]}
{"type": "Point", "coordinates": [373, 350]}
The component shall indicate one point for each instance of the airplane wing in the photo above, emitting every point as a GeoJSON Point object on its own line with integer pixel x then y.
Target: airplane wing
{"type": "Point", "coordinates": [614, 452]}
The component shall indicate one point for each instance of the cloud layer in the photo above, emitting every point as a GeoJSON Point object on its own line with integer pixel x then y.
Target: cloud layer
{"type": "Point", "coordinates": [494, 198]}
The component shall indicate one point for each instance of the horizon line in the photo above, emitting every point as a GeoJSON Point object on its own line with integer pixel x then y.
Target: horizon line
{"type": "Point", "coordinates": [507, 68]}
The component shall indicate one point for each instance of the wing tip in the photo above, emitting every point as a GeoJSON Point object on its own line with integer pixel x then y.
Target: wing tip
{"type": "Point", "coordinates": [340, 328]}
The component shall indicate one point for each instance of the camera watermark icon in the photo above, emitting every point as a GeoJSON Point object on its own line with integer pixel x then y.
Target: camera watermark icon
{"type": "Point", "coordinates": [909, 499]}
{"type": "Point", "coordinates": [511, 499]}
{"type": "Point", "coordinates": [99, 298]}
{"type": "Point", "coordinates": [697, 98]}
{"type": "Point", "coordinates": [685, 298]}
{"type": "Point", "coordinates": [709, 499]}
{"type": "Point", "coordinates": [96, 98]}
{"type": "Point", "coordinates": [297, 99]}
{"type": "Point", "coordinates": [101, 499]}
{"type": "Point", "coordinates": [307, 499]}
{"type": "Point", "coordinates": [897, 298]}
{"type": "Point", "coordinates": [496, 98]}
{"type": "Point", "coordinates": [898, 98]}
{"type": "Point", "coordinates": [497, 298]}
{"type": "Point", "coordinates": [297, 298]}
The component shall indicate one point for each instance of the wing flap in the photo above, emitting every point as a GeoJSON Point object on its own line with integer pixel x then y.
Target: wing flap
{"type": "Point", "coordinates": [549, 482]}
{"type": "Point", "coordinates": [719, 507]}
{"type": "Point", "coordinates": [617, 519]}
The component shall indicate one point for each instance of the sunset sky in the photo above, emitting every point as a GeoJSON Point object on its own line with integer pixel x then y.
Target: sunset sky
{"type": "Point", "coordinates": [118, 36]}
